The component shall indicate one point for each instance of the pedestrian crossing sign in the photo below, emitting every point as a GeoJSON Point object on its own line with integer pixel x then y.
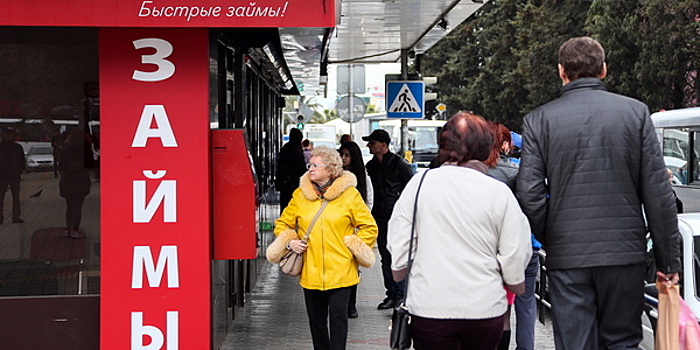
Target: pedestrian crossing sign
{"type": "Point", "coordinates": [405, 99]}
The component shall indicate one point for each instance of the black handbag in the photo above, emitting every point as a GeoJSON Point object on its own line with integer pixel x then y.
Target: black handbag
{"type": "Point", "coordinates": [400, 328]}
{"type": "Point", "coordinates": [400, 336]}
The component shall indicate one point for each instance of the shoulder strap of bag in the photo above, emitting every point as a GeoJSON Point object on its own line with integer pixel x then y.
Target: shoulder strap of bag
{"type": "Point", "coordinates": [413, 231]}
{"type": "Point", "coordinates": [308, 230]}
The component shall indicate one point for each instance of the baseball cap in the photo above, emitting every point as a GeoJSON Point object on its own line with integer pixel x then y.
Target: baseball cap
{"type": "Point", "coordinates": [517, 139]}
{"type": "Point", "coordinates": [378, 135]}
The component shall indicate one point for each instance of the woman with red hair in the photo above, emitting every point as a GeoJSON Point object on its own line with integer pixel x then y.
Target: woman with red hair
{"type": "Point", "coordinates": [471, 240]}
{"type": "Point", "coordinates": [502, 169]}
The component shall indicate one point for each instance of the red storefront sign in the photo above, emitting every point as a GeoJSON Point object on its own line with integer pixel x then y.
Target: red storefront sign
{"type": "Point", "coordinates": [169, 13]}
{"type": "Point", "coordinates": [155, 251]}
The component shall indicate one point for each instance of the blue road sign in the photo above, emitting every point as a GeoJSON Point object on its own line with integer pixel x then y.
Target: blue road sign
{"type": "Point", "coordinates": [405, 99]}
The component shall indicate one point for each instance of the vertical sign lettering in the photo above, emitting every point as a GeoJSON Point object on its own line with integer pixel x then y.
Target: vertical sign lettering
{"type": "Point", "coordinates": [155, 246]}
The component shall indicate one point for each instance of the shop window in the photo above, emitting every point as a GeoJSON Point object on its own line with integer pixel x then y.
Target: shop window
{"type": "Point", "coordinates": [50, 126]}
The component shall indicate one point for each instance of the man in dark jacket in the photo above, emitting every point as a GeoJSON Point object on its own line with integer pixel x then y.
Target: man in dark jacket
{"type": "Point", "coordinates": [591, 164]}
{"type": "Point", "coordinates": [291, 165]}
{"type": "Point", "coordinates": [390, 174]}
{"type": "Point", "coordinates": [12, 164]}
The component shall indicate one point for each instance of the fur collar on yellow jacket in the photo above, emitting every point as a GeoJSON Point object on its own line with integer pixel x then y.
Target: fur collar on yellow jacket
{"type": "Point", "coordinates": [338, 186]}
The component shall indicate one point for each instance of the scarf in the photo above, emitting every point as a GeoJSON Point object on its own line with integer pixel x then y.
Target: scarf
{"type": "Point", "coordinates": [321, 189]}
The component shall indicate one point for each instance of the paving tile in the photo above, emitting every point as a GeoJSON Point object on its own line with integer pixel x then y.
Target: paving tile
{"type": "Point", "coordinates": [275, 316]}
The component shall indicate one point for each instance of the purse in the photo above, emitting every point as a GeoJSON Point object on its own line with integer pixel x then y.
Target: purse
{"type": "Point", "coordinates": [292, 262]}
{"type": "Point", "coordinates": [400, 336]}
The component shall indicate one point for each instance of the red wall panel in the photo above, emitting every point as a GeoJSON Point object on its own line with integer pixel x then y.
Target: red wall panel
{"type": "Point", "coordinates": [155, 205]}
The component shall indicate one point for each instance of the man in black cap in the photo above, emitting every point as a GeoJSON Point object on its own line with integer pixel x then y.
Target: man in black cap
{"type": "Point", "coordinates": [390, 174]}
{"type": "Point", "coordinates": [12, 164]}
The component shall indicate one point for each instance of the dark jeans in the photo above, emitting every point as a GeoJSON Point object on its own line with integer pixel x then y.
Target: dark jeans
{"type": "Point", "coordinates": [526, 308]}
{"type": "Point", "coordinates": [456, 334]}
{"type": "Point", "coordinates": [394, 290]}
{"type": "Point", "coordinates": [597, 308]}
{"type": "Point", "coordinates": [74, 211]}
{"type": "Point", "coordinates": [14, 188]}
{"type": "Point", "coordinates": [328, 305]}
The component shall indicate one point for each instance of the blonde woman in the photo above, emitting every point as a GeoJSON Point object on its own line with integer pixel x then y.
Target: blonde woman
{"type": "Point", "coordinates": [330, 268]}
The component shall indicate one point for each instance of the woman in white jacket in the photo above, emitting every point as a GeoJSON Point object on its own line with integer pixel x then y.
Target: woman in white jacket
{"type": "Point", "coordinates": [471, 239]}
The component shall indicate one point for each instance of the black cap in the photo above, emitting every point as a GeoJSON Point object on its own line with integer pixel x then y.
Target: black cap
{"type": "Point", "coordinates": [378, 135]}
{"type": "Point", "coordinates": [8, 129]}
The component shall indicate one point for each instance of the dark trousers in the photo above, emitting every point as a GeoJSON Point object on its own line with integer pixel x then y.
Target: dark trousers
{"type": "Point", "coordinates": [14, 188]}
{"type": "Point", "coordinates": [322, 307]}
{"type": "Point", "coordinates": [74, 211]}
{"type": "Point", "coordinates": [456, 334]}
{"type": "Point", "coordinates": [597, 308]}
{"type": "Point", "coordinates": [394, 290]}
{"type": "Point", "coordinates": [352, 300]}
{"type": "Point", "coordinates": [526, 308]}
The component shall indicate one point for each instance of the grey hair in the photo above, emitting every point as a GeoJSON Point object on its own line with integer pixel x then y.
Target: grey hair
{"type": "Point", "coordinates": [331, 158]}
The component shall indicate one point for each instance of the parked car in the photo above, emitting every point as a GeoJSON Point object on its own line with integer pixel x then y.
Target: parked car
{"type": "Point", "coordinates": [40, 157]}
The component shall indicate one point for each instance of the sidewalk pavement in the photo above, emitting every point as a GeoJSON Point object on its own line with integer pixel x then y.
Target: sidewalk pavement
{"type": "Point", "coordinates": [274, 316]}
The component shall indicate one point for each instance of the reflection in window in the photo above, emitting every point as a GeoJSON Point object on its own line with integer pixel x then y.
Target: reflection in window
{"type": "Point", "coordinates": [49, 118]}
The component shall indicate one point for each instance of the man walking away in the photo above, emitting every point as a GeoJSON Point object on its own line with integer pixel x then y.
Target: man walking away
{"type": "Point", "coordinates": [390, 174]}
{"type": "Point", "coordinates": [291, 165]}
{"type": "Point", "coordinates": [12, 165]}
{"type": "Point", "coordinates": [591, 169]}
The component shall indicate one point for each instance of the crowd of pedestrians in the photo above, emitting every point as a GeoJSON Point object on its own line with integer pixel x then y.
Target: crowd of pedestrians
{"type": "Point", "coordinates": [585, 181]}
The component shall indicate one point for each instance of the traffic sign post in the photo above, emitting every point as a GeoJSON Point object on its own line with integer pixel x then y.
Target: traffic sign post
{"type": "Point", "coordinates": [405, 99]}
{"type": "Point", "coordinates": [441, 108]}
{"type": "Point", "coordinates": [350, 109]}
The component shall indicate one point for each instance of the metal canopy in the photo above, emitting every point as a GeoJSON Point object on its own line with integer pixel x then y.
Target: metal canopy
{"type": "Point", "coordinates": [370, 31]}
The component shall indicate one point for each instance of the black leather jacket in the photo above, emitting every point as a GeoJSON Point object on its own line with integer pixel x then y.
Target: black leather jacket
{"type": "Point", "coordinates": [389, 177]}
{"type": "Point", "coordinates": [590, 162]}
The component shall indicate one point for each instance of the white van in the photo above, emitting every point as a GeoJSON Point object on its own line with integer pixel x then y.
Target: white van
{"type": "Point", "coordinates": [678, 132]}
{"type": "Point", "coordinates": [422, 137]}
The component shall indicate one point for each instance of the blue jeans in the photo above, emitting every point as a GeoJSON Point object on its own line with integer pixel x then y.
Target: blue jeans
{"type": "Point", "coordinates": [526, 308]}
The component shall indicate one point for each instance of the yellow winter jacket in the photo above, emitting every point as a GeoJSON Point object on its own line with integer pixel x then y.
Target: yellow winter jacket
{"type": "Point", "coordinates": [328, 263]}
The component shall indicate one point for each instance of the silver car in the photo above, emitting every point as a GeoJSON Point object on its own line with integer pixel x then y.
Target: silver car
{"type": "Point", "coordinates": [40, 157]}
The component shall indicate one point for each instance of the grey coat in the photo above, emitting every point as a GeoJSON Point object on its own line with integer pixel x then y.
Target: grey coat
{"type": "Point", "coordinates": [590, 162]}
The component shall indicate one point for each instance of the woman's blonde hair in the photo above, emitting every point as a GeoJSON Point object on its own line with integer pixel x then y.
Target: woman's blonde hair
{"type": "Point", "coordinates": [331, 158]}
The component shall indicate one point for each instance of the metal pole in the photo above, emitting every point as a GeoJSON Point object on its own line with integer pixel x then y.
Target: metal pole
{"type": "Point", "coordinates": [404, 122]}
{"type": "Point", "coordinates": [351, 93]}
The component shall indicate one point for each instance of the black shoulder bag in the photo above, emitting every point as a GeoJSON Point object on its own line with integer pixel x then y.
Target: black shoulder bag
{"type": "Point", "coordinates": [401, 320]}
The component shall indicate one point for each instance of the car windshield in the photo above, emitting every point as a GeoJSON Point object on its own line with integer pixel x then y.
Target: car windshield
{"type": "Point", "coordinates": [40, 150]}
{"type": "Point", "coordinates": [424, 139]}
